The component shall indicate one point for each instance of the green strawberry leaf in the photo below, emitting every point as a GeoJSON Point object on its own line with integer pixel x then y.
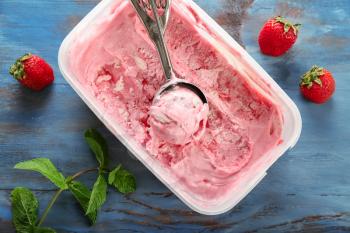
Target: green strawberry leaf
{"type": "Point", "coordinates": [287, 25]}
{"type": "Point", "coordinates": [43, 230]}
{"type": "Point", "coordinates": [98, 145]}
{"type": "Point", "coordinates": [318, 81]}
{"type": "Point", "coordinates": [313, 75]}
{"type": "Point", "coordinates": [82, 194]}
{"type": "Point", "coordinates": [46, 168]}
{"type": "Point", "coordinates": [122, 180]}
{"type": "Point", "coordinates": [98, 195]}
{"type": "Point", "coordinates": [297, 27]}
{"type": "Point", "coordinates": [24, 209]}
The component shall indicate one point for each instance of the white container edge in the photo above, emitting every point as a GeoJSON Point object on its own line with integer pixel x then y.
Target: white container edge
{"type": "Point", "coordinates": [253, 181]}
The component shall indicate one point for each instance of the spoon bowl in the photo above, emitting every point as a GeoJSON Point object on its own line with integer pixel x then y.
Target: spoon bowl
{"type": "Point", "coordinates": [176, 82]}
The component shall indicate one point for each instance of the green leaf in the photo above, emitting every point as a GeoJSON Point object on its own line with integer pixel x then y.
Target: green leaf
{"type": "Point", "coordinates": [313, 75]}
{"type": "Point", "coordinates": [297, 26]}
{"type": "Point", "coordinates": [122, 180]}
{"type": "Point", "coordinates": [318, 81]}
{"type": "Point", "coordinates": [24, 210]}
{"type": "Point", "coordinates": [46, 168]}
{"type": "Point", "coordinates": [43, 230]}
{"type": "Point", "coordinates": [82, 195]}
{"type": "Point", "coordinates": [98, 195]}
{"type": "Point", "coordinates": [98, 145]}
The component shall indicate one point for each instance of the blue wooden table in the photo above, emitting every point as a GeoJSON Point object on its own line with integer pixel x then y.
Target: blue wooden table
{"type": "Point", "coordinates": [307, 190]}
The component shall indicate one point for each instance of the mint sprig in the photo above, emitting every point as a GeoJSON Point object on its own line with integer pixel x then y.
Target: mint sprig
{"type": "Point", "coordinates": [46, 168]}
{"type": "Point", "coordinates": [82, 194]}
{"type": "Point", "coordinates": [24, 209]}
{"type": "Point", "coordinates": [25, 205]}
{"type": "Point", "coordinates": [97, 145]}
{"type": "Point", "coordinates": [122, 180]}
{"type": "Point", "coordinates": [98, 195]}
{"type": "Point", "coordinates": [25, 212]}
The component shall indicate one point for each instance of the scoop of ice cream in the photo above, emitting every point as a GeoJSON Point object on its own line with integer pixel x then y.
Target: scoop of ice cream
{"type": "Point", "coordinates": [178, 116]}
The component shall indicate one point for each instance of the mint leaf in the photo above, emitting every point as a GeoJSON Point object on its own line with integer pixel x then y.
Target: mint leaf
{"type": "Point", "coordinates": [98, 145]}
{"type": "Point", "coordinates": [43, 230]}
{"type": "Point", "coordinates": [24, 209]}
{"type": "Point", "coordinates": [82, 195]}
{"type": "Point", "coordinates": [122, 180]}
{"type": "Point", "coordinates": [98, 195]}
{"type": "Point", "coordinates": [46, 168]}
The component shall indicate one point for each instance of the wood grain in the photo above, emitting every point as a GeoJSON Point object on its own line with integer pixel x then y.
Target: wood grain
{"type": "Point", "coordinates": [307, 190]}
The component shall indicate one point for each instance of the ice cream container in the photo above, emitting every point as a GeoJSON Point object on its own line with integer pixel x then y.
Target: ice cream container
{"type": "Point", "coordinates": [248, 177]}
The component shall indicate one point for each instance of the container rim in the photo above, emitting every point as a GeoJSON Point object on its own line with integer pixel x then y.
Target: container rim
{"type": "Point", "coordinates": [252, 181]}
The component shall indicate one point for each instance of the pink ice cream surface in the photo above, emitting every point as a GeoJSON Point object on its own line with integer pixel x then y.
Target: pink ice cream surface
{"type": "Point", "coordinates": [178, 116]}
{"type": "Point", "coordinates": [119, 65]}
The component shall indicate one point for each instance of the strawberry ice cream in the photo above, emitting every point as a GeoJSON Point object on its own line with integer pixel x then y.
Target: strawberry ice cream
{"type": "Point", "coordinates": [178, 116]}
{"type": "Point", "coordinates": [120, 67]}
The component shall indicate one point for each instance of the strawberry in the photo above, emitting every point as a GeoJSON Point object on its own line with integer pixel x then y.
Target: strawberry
{"type": "Point", "coordinates": [33, 72]}
{"type": "Point", "coordinates": [317, 85]}
{"type": "Point", "coordinates": [277, 36]}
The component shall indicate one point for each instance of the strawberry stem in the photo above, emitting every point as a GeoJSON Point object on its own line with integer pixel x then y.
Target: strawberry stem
{"type": "Point", "coordinates": [288, 25]}
{"type": "Point", "coordinates": [17, 69]}
{"type": "Point", "coordinates": [313, 75]}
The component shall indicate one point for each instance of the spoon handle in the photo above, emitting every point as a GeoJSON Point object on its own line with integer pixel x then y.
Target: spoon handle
{"type": "Point", "coordinates": [158, 39]}
{"type": "Point", "coordinates": [156, 28]}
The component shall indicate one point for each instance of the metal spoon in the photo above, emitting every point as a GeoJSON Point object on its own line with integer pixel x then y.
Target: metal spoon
{"type": "Point", "coordinates": [156, 29]}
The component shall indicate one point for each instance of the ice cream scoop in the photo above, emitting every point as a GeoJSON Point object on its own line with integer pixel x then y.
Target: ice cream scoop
{"type": "Point", "coordinates": [179, 116]}
{"type": "Point", "coordinates": [155, 25]}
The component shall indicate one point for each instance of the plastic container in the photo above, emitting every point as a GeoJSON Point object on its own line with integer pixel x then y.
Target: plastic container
{"type": "Point", "coordinates": [250, 176]}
